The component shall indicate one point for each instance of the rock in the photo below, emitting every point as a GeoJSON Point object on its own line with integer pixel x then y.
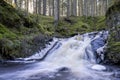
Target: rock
{"type": "Point", "coordinates": [113, 24]}
{"type": "Point", "coordinates": [78, 37]}
{"type": "Point", "coordinates": [64, 69]}
{"type": "Point", "coordinates": [98, 67]}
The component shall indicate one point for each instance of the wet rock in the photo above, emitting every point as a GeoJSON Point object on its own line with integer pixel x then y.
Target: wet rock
{"type": "Point", "coordinates": [97, 44]}
{"type": "Point", "coordinates": [63, 69]}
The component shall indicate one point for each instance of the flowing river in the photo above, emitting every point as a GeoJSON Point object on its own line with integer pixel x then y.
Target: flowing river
{"type": "Point", "coordinates": [75, 58]}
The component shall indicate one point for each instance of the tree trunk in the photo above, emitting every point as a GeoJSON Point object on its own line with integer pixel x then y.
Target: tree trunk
{"type": "Point", "coordinates": [85, 8]}
{"type": "Point", "coordinates": [16, 3]}
{"type": "Point", "coordinates": [79, 7]}
{"type": "Point", "coordinates": [27, 7]}
{"type": "Point", "coordinates": [49, 3]}
{"type": "Point", "coordinates": [44, 7]}
{"type": "Point", "coordinates": [74, 8]}
{"type": "Point", "coordinates": [56, 12]}
{"type": "Point", "coordinates": [93, 8]}
{"type": "Point", "coordinates": [53, 8]}
{"type": "Point", "coordinates": [68, 8]}
{"type": "Point", "coordinates": [39, 7]}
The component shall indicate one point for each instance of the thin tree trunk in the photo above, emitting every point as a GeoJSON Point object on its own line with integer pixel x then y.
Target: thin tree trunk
{"type": "Point", "coordinates": [39, 7]}
{"type": "Point", "coordinates": [79, 7]}
{"type": "Point", "coordinates": [49, 3]}
{"type": "Point", "coordinates": [56, 12]}
{"type": "Point", "coordinates": [53, 8]}
{"type": "Point", "coordinates": [93, 8]}
{"type": "Point", "coordinates": [85, 8]}
{"type": "Point", "coordinates": [44, 7]}
{"type": "Point", "coordinates": [68, 8]}
{"type": "Point", "coordinates": [74, 8]}
{"type": "Point", "coordinates": [27, 7]}
{"type": "Point", "coordinates": [16, 3]}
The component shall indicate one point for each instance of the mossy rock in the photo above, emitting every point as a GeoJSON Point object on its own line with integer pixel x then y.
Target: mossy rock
{"type": "Point", "coordinates": [114, 8]}
{"type": "Point", "coordinates": [6, 47]}
{"type": "Point", "coordinates": [114, 52]}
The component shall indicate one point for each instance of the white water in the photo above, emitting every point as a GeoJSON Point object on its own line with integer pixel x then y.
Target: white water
{"type": "Point", "coordinates": [73, 53]}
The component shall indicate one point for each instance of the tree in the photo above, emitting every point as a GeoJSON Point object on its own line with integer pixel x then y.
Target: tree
{"type": "Point", "coordinates": [44, 7]}
{"type": "Point", "coordinates": [56, 12]}
{"type": "Point", "coordinates": [39, 7]}
{"type": "Point", "coordinates": [74, 11]}
{"type": "Point", "coordinates": [50, 7]}
{"type": "Point", "coordinates": [68, 8]}
{"type": "Point", "coordinates": [80, 4]}
{"type": "Point", "coordinates": [15, 3]}
{"type": "Point", "coordinates": [84, 8]}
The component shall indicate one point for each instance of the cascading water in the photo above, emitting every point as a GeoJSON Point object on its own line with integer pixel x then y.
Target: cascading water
{"type": "Point", "coordinates": [78, 55]}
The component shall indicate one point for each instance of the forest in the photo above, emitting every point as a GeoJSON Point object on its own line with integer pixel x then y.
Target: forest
{"type": "Point", "coordinates": [76, 38]}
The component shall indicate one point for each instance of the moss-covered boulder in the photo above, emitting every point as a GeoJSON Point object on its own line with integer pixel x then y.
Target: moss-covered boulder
{"type": "Point", "coordinates": [113, 23]}
{"type": "Point", "coordinates": [113, 20]}
{"type": "Point", "coordinates": [113, 52]}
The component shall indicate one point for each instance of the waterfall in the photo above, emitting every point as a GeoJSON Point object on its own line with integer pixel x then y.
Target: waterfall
{"type": "Point", "coordinates": [88, 47]}
{"type": "Point", "coordinates": [79, 55]}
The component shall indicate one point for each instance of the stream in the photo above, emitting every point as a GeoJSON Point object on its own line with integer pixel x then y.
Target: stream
{"type": "Point", "coordinates": [75, 58]}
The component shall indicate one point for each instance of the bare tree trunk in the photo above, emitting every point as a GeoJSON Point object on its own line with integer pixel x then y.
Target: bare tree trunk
{"type": "Point", "coordinates": [39, 7]}
{"type": "Point", "coordinates": [34, 6]}
{"type": "Point", "coordinates": [68, 8]}
{"type": "Point", "coordinates": [20, 4]}
{"type": "Point", "coordinates": [62, 8]}
{"type": "Point", "coordinates": [74, 8]}
{"type": "Point", "coordinates": [82, 7]}
{"type": "Point", "coordinates": [79, 7]}
{"type": "Point", "coordinates": [27, 7]}
{"type": "Point", "coordinates": [44, 7]}
{"type": "Point", "coordinates": [49, 5]}
{"type": "Point", "coordinates": [93, 8]}
{"type": "Point", "coordinates": [53, 8]}
{"type": "Point", "coordinates": [88, 8]}
{"type": "Point", "coordinates": [85, 8]}
{"type": "Point", "coordinates": [56, 12]}
{"type": "Point", "coordinates": [16, 5]}
{"type": "Point", "coordinates": [95, 13]}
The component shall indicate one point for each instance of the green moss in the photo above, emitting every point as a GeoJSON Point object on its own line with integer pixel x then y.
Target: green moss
{"type": "Point", "coordinates": [6, 48]}
{"type": "Point", "coordinates": [114, 52]}
{"type": "Point", "coordinates": [114, 8]}
{"type": "Point", "coordinates": [101, 24]}
{"type": "Point", "coordinates": [9, 17]}
{"type": "Point", "coordinates": [75, 25]}
{"type": "Point", "coordinates": [1, 36]}
{"type": "Point", "coordinates": [6, 33]}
